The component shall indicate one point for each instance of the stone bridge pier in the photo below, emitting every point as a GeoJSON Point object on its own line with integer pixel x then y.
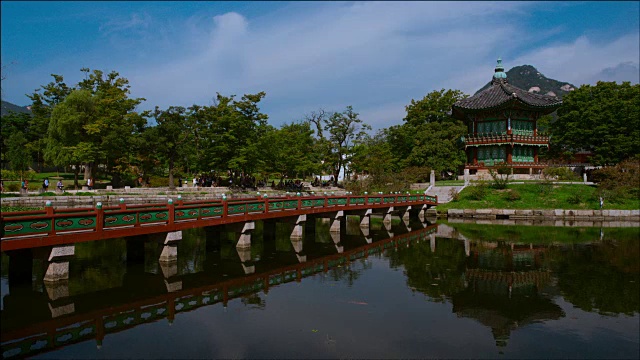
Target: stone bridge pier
{"type": "Point", "coordinates": [56, 280]}
{"type": "Point", "coordinates": [169, 261]}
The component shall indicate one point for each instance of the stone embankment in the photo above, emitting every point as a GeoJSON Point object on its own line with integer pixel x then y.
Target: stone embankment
{"type": "Point", "coordinates": [556, 214]}
{"type": "Point", "coordinates": [145, 196]}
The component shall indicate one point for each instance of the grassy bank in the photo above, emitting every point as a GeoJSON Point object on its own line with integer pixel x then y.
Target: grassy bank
{"type": "Point", "coordinates": [536, 196]}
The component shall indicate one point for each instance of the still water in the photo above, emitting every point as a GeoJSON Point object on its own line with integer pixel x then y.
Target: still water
{"type": "Point", "coordinates": [421, 291]}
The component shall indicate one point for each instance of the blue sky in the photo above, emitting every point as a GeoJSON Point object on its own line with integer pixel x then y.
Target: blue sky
{"type": "Point", "coordinates": [375, 56]}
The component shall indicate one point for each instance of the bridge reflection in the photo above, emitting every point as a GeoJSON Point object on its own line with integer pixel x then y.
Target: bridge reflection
{"type": "Point", "coordinates": [58, 318]}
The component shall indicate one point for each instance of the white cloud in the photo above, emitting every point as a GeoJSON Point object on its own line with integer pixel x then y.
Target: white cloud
{"type": "Point", "coordinates": [376, 56]}
{"type": "Point", "coordinates": [581, 61]}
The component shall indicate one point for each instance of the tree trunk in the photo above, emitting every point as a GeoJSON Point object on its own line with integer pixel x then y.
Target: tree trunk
{"type": "Point", "coordinates": [171, 185]}
{"type": "Point", "coordinates": [76, 172]}
{"type": "Point", "coordinates": [88, 170]}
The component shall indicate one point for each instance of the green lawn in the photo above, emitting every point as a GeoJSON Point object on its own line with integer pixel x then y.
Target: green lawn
{"type": "Point", "coordinates": [539, 196]}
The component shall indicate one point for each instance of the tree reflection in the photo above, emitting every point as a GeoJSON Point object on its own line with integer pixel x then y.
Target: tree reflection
{"type": "Point", "coordinates": [603, 278]}
{"type": "Point", "coordinates": [438, 274]}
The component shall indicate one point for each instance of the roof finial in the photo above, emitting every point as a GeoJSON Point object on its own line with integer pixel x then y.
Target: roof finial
{"type": "Point", "coordinates": [499, 72]}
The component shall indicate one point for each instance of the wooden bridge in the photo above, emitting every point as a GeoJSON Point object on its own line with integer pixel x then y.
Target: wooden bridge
{"type": "Point", "coordinates": [46, 335]}
{"type": "Point", "coordinates": [59, 227]}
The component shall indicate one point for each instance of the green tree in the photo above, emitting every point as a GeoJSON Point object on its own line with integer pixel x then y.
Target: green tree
{"type": "Point", "coordinates": [603, 119]}
{"type": "Point", "coordinates": [10, 124]}
{"type": "Point", "coordinates": [116, 124]}
{"type": "Point", "coordinates": [172, 136]}
{"type": "Point", "coordinates": [288, 150]}
{"type": "Point", "coordinates": [70, 140]}
{"type": "Point", "coordinates": [17, 156]}
{"type": "Point", "coordinates": [344, 129]}
{"type": "Point", "coordinates": [227, 133]}
{"type": "Point", "coordinates": [43, 101]}
{"type": "Point", "coordinates": [429, 137]}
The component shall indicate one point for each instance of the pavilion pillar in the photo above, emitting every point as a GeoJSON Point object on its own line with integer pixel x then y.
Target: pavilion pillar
{"type": "Point", "coordinates": [509, 154]}
{"type": "Point", "coordinates": [535, 155]}
{"type": "Point", "coordinates": [475, 155]}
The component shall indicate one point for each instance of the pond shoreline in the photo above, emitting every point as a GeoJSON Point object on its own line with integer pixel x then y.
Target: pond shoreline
{"type": "Point", "coordinates": [539, 214]}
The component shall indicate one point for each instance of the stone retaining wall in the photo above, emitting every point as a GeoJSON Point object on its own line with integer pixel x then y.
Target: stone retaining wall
{"type": "Point", "coordinates": [556, 214]}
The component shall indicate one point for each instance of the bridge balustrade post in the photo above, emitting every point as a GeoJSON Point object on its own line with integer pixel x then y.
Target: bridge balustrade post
{"type": "Point", "coordinates": [172, 212]}
{"type": "Point", "coordinates": [99, 218]}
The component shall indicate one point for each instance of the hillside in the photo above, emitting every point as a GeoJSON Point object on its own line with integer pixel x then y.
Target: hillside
{"type": "Point", "coordinates": [528, 78]}
{"type": "Point", "coordinates": [8, 107]}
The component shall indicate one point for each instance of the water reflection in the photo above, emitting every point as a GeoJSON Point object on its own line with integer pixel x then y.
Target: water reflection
{"type": "Point", "coordinates": [504, 278]}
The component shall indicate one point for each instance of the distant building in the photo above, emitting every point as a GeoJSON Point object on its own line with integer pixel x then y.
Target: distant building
{"type": "Point", "coordinates": [502, 123]}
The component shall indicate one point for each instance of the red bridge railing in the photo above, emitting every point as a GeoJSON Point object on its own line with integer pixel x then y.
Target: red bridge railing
{"type": "Point", "coordinates": [27, 229]}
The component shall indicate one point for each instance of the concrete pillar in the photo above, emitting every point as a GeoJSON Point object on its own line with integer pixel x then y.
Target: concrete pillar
{"type": "Point", "coordinates": [298, 228]}
{"type": "Point", "coordinates": [584, 177]}
{"type": "Point", "coordinates": [467, 177]}
{"type": "Point", "coordinates": [365, 220]}
{"type": "Point", "coordinates": [432, 178]}
{"type": "Point", "coordinates": [297, 247]}
{"type": "Point", "coordinates": [170, 249]}
{"type": "Point", "coordinates": [335, 236]}
{"type": "Point", "coordinates": [170, 273]}
{"type": "Point", "coordinates": [432, 242]}
{"type": "Point", "coordinates": [245, 235]}
{"type": "Point", "coordinates": [421, 213]}
{"type": "Point", "coordinates": [405, 221]}
{"type": "Point", "coordinates": [406, 214]}
{"type": "Point", "coordinates": [387, 218]}
{"type": "Point", "coordinates": [467, 247]}
{"type": "Point", "coordinates": [58, 269]}
{"type": "Point", "coordinates": [335, 222]}
{"type": "Point", "coordinates": [247, 262]}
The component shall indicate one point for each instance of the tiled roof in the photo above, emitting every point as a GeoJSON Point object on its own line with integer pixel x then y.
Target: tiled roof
{"type": "Point", "coordinates": [500, 92]}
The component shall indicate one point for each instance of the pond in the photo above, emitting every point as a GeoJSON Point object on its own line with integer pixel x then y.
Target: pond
{"type": "Point", "coordinates": [445, 290]}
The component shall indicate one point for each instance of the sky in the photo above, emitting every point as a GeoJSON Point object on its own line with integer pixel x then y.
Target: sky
{"type": "Point", "coordinates": [375, 56]}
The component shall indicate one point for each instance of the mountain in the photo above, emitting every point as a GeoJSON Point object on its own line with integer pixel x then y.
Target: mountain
{"type": "Point", "coordinates": [528, 78]}
{"type": "Point", "coordinates": [8, 107]}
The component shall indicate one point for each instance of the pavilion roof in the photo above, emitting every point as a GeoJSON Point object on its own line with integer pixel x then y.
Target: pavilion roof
{"type": "Point", "coordinates": [501, 94]}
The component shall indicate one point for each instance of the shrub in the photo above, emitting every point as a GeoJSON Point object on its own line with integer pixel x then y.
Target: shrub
{"type": "Point", "coordinates": [560, 173]}
{"type": "Point", "coordinates": [478, 192]}
{"type": "Point", "coordinates": [574, 199]}
{"type": "Point", "coordinates": [160, 181]}
{"type": "Point", "coordinates": [620, 181]}
{"type": "Point", "coordinates": [500, 176]}
{"type": "Point", "coordinates": [48, 193]}
{"type": "Point", "coordinates": [9, 175]}
{"type": "Point", "coordinates": [545, 187]}
{"type": "Point", "coordinates": [12, 186]}
{"type": "Point", "coordinates": [512, 195]}
{"type": "Point", "coordinates": [454, 195]}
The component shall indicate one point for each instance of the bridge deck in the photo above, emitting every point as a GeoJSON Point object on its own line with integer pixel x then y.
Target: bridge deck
{"type": "Point", "coordinates": [50, 227]}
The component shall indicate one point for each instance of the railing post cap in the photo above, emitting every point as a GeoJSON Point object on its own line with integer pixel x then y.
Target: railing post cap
{"type": "Point", "coordinates": [98, 205]}
{"type": "Point", "coordinates": [48, 203]}
{"type": "Point", "coordinates": [179, 197]}
{"type": "Point", "coordinates": [170, 201]}
{"type": "Point", "coordinates": [121, 200]}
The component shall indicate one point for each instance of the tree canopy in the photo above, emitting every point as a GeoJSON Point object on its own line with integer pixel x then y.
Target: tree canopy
{"type": "Point", "coordinates": [603, 119]}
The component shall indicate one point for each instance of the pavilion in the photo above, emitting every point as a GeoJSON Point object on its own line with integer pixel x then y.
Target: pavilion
{"type": "Point", "coordinates": [502, 123]}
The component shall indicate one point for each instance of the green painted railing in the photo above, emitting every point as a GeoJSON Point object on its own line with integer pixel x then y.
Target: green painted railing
{"type": "Point", "coordinates": [59, 221]}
